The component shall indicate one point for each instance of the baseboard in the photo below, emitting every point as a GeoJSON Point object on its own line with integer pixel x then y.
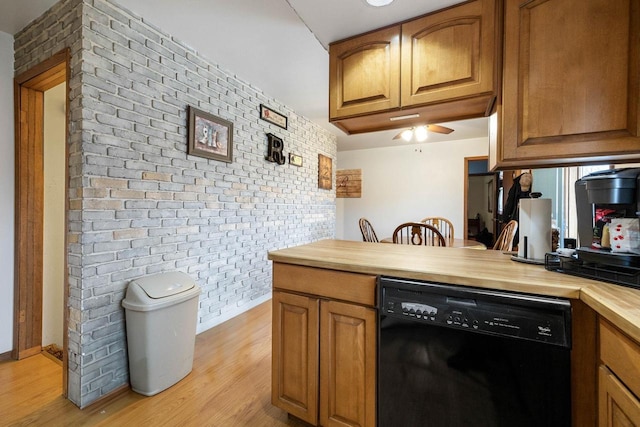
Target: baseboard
{"type": "Point", "coordinates": [231, 314]}
{"type": "Point", "coordinates": [29, 352]}
{"type": "Point", "coordinates": [5, 356]}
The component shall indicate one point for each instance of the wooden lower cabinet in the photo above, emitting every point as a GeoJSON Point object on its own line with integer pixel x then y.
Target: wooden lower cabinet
{"type": "Point", "coordinates": [619, 378]}
{"type": "Point", "coordinates": [618, 406]}
{"type": "Point", "coordinates": [347, 364]}
{"type": "Point", "coordinates": [294, 381]}
{"type": "Point", "coordinates": [324, 360]}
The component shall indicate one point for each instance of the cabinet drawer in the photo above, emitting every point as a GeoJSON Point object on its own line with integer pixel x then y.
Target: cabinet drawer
{"type": "Point", "coordinates": [339, 285]}
{"type": "Point", "coordinates": [621, 355]}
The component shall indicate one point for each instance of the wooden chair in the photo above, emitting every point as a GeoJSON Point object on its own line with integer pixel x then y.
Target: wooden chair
{"type": "Point", "coordinates": [504, 242]}
{"type": "Point", "coordinates": [368, 234]}
{"type": "Point", "coordinates": [444, 226]}
{"type": "Point", "coordinates": [418, 233]}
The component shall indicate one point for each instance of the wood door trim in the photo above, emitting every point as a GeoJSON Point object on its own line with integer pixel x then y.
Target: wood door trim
{"type": "Point", "coordinates": [29, 88]}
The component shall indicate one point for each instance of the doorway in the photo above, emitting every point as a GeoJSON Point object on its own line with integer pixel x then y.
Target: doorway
{"type": "Point", "coordinates": [54, 224]}
{"type": "Point", "coordinates": [31, 185]}
{"type": "Point", "coordinates": [482, 201]}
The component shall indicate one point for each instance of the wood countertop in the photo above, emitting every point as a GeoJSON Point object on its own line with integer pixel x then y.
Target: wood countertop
{"type": "Point", "coordinates": [468, 267]}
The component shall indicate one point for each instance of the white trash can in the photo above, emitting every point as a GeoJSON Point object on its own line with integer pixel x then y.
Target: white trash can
{"type": "Point", "coordinates": [161, 315]}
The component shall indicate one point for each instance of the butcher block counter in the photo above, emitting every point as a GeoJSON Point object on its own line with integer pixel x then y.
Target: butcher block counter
{"type": "Point", "coordinates": [486, 269]}
{"type": "Point", "coordinates": [330, 285]}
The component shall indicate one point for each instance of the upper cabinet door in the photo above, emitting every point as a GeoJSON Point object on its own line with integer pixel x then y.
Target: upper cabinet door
{"type": "Point", "coordinates": [570, 83]}
{"type": "Point", "coordinates": [365, 73]}
{"type": "Point", "coordinates": [450, 54]}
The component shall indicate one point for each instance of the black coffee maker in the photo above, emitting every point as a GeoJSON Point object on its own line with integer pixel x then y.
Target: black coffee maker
{"type": "Point", "coordinates": [600, 196]}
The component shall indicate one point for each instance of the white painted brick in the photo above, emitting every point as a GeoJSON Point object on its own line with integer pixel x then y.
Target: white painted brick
{"type": "Point", "coordinates": [130, 87]}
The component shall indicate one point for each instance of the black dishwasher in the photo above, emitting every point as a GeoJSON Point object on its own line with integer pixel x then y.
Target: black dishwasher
{"type": "Point", "coordinates": [453, 356]}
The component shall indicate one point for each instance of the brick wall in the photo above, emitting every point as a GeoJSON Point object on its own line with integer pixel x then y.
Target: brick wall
{"type": "Point", "coordinates": [140, 205]}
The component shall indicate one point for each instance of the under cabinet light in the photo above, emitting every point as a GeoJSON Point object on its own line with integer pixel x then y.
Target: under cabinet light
{"type": "Point", "coordinates": [408, 116]}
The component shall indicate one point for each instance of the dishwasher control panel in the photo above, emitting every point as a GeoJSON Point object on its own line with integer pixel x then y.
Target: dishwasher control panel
{"type": "Point", "coordinates": [529, 317]}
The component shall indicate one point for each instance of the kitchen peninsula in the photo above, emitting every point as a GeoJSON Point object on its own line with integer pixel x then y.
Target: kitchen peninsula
{"type": "Point", "coordinates": [329, 286]}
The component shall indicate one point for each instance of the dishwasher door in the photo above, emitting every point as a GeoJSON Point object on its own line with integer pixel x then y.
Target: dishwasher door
{"type": "Point", "coordinates": [458, 357]}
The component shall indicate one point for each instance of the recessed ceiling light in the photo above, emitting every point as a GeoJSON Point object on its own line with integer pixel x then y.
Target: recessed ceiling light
{"type": "Point", "coordinates": [379, 3]}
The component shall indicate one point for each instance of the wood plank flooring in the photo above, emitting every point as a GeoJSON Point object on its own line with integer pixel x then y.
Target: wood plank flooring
{"type": "Point", "coordinates": [230, 385]}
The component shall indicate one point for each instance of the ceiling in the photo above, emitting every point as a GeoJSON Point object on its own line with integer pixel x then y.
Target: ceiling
{"type": "Point", "coordinates": [279, 46]}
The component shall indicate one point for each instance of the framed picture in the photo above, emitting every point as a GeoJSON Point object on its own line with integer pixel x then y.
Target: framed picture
{"type": "Point", "coordinates": [325, 172]}
{"type": "Point", "coordinates": [295, 159]}
{"type": "Point", "coordinates": [209, 136]}
{"type": "Point", "coordinates": [273, 116]}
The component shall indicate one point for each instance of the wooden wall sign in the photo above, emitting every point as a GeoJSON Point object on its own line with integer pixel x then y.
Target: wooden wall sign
{"type": "Point", "coordinates": [349, 183]}
{"type": "Point", "coordinates": [325, 172]}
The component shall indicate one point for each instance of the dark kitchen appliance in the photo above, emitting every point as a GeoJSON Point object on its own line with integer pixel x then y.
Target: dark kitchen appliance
{"type": "Point", "coordinates": [600, 196]}
{"type": "Point", "coordinates": [451, 356]}
{"type": "Point", "coordinates": [615, 192]}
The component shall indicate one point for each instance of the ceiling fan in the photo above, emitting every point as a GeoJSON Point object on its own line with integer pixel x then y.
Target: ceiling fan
{"type": "Point", "coordinates": [420, 132]}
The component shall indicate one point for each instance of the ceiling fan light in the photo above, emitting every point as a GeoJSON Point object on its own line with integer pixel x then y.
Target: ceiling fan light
{"type": "Point", "coordinates": [379, 3]}
{"type": "Point", "coordinates": [421, 133]}
{"type": "Point", "coordinates": [407, 135]}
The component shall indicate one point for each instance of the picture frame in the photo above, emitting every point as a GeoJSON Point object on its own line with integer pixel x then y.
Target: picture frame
{"type": "Point", "coordinates": [295, 159]}
{"type": "Point", "coordinates": [272, 116]}
{"type": "Point", "coordinates": [209, 136]}
{"type": "Point", "coordinates": [325, 172]}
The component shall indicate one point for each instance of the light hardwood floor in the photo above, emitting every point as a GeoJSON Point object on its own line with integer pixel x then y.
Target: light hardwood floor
{"type": "Point", "coordinates": [230, 385]}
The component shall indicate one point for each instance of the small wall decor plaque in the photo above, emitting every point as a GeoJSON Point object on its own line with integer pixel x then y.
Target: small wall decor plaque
{"type": "Point", "coordinates": [295, 159]}
{"type": "Point", "coordinates": [275, 149]}
{"type": "Point", "coordinates": [349, 183]}
{"type": "Point", "coordinates": [209, 136]}
{"type": "Point", "coordinates": [273, 116]}
{"type": "Point", "coordinates": [325, 172]}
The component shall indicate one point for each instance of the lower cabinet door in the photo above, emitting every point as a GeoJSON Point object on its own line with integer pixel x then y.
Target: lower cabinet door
{"type": "Point", "coordinates": [347, 365]}
{"type": "Point", "coordinates": [618, 407]}
{"type": "Point", "coordinates": [294, 382]}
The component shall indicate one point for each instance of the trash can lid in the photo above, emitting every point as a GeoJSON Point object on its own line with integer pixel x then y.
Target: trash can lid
{"type": "Point", "coordinates": [164, 288]}
{"type": "Point", "coordinates": [165, 284]}
{"type": "Point", "coordinates": [159, 290]}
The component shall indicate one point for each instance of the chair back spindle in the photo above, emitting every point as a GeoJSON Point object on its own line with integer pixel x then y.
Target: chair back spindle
{"type": "Point", "coordinates": [504, 242]}
{"type": "Point", "coordinates": [417, 233]}
{"type": "Point", "coordinates": [444, 226]}
{"type": "Point", "coordinates": [368, 233]}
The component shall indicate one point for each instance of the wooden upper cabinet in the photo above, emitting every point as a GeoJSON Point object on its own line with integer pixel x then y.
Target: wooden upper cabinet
{"type": "Point", "coordinates": [439, 67]}
{"type": "Point", "coordinates": [365, 73]}
{"type": "Point", "coordinates": [450, 55]}
{"type": "Point", "coordinates": [570, 83]}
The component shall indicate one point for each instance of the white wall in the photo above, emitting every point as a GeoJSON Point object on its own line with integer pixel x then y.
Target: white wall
{"type": "Point", "coordinates": [54, 224]}
{"type": "Point", "coordinates": [406, 183]}
{"type": "Point", "coordinates": [7, 192]}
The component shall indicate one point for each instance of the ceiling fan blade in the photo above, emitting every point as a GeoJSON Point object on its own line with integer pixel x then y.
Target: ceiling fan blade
{"type": "Point", "coordinates": [439, 129]}
{"type": "Point", "coordinates": [398, 136]}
